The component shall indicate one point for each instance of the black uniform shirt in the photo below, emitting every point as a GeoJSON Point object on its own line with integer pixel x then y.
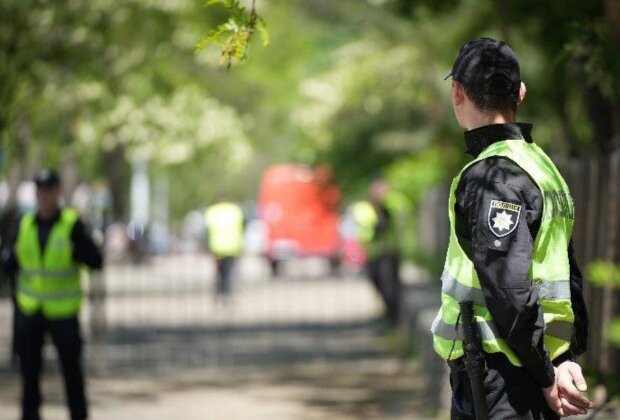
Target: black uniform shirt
{"type": "Point", "coordinates": [84, 249]}
{"type": "Point", "coordinates": [502, 262]}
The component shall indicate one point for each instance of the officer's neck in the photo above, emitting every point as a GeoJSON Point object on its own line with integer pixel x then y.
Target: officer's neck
{"type": "Point", "coordinates": [477, 119]}
{"type": "Point", "coordinates": [47, 214]}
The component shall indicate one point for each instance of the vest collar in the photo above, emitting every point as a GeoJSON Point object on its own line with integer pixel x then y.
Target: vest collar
{"type": "Point", "coordinates": [480, 138]}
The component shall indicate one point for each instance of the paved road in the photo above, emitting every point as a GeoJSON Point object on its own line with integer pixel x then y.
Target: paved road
{"type": "Point", "coordinates": [306, 346]}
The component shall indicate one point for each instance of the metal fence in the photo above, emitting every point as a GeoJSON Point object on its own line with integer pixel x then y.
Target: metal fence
{"type": "Point", "coordinates": [162, 314]}
{"type": "Point", "coordinates": [595, 186]}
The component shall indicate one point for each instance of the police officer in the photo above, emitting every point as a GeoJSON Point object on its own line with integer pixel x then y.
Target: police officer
{"type": "Point", "coordinates": [224, 222]}
{"type": "Point", "coordinates": [46, 253]}
{"type": "Point", "coordinates": [378, 233]}
{"type": "Point", "coordinates": [510, 252]}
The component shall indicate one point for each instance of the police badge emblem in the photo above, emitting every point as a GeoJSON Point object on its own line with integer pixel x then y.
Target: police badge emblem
{"type": "Point", "coordinates": [59, 243]}
{"type": "Point", "coordinates": [503, 217]}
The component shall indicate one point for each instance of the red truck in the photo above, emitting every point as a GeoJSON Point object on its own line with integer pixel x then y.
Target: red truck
{"type": "Point", "coordinates": [299, 208]}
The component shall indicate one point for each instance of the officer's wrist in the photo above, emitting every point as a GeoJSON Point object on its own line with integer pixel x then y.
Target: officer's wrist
{"type": "Point", "coordinates": [566, 356]}
{"type": "Point", "coordinates": [546, 382]}
{"type": "Point", "coordinates": [544, 375]}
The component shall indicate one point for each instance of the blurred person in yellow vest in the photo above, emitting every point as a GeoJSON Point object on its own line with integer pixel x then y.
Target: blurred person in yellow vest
{"type": "Point", "coordinates": [225, 225]}
{"type": "Point", "coordinates": [378, 233]}
{"type": "Point", "coordinates": [46, 252]}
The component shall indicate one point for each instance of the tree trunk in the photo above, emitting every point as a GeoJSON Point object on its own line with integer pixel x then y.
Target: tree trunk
{"type": "Point", "coordinates": [69, 173]}
{"type": "Point", "coordinates": [612, 11]}
{"type": "Point", "coordinates": [600, 114]}
{"type": "Point", "coordinates": [503, 11]}
{"type": "Point", "coordinates": [116, 174]}
{"type": "Point", "coordinates": [19, 167]}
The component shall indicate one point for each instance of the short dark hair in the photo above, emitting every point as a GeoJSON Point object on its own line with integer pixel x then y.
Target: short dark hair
{"type": "Point", "coordinates": [485, 101]}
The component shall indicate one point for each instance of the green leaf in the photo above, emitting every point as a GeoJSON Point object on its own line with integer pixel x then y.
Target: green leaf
{"type": "Point", "coordinates": [261, 27]}
{"type": "Point", "coordinates": [215, 36]}
{"type": "Point", "coordinates": [235, 34]}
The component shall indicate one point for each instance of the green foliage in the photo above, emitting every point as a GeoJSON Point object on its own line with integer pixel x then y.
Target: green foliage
{"type": "Point", "coordinates": [613, 332]}
{"type": "Point", "coordinates": [593, 48]}
{"type": "Point", "coordinates": [602, 273]}
{"type": "Point", "coordinates": [235, 34]}
{"type": "Point", "coordinates": [356, 84]}
{"type": "Point", "coordinates": [577, 88]}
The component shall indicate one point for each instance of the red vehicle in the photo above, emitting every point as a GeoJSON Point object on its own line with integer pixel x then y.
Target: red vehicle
{"type": "Point", "coordinates": [299, 207]}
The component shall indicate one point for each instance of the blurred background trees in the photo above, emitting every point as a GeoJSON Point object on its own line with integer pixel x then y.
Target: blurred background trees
{"type": "Point", "coordinates": [94, 86]}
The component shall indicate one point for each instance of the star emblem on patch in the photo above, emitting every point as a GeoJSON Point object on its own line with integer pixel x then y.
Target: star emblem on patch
{"type": "Point", "coordinates": [503, 217]}
{"type": "Point", "coordinates": [502, 221]}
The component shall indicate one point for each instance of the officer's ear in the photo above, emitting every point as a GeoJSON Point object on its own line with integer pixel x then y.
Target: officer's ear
{"type": "Point", "coordinates": [522, 93]}
{"type": "Point", "coordinates": [458, 93]}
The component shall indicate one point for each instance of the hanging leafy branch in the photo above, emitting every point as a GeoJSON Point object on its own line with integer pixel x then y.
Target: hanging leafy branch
{"type": "Point", "coordinates": [235, 34]}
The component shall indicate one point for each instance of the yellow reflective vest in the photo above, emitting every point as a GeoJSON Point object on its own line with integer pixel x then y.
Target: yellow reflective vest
{"type": "Point", "coordinates": [224, 223]}
{"type": "Point", "coordinates": [48, 280]}
{"type": "Point", "coordinates": [549, 270]}
{"type": "Point", "coordinates": [365, 217]}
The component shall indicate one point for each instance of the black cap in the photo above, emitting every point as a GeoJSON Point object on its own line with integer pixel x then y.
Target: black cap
{"type": "Point", "coordinates": [488, 64]}
{"type": "Point", "coordinates": [47, 178]}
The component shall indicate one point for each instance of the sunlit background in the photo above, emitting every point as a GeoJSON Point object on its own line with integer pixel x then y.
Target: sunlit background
{"type": "Point", "coordinates": [147, 133]}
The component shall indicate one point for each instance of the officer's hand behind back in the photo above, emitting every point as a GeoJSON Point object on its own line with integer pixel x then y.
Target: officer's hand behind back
{"type": "Point", "coordinates": [571, 384]}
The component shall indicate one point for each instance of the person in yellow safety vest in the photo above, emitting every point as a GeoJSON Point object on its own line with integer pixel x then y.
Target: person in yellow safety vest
{"type": "Point", "coordinates": [510, 254]}
{"type": "Point", "coordinates": [225, 225]}
{"type": "Point", "coordinates": [47, 251]}
{"type": "Point", "coordinates": [377, 232]}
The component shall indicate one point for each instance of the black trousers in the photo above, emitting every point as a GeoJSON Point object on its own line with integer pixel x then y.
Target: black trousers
{"type": "Point", "coordinates": [383, 271]}
{"type": "Point", "coordinates": [225, 266]}
{"type": "Point", "coordinates": [65, 333]}
{"type": "Point", "coordinates": [511, 392]}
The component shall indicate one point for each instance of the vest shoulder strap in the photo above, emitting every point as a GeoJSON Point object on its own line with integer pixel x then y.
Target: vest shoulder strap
{"type": "Point", "coordinates": [26, 220]}
{"type": "Point", "coordinates": [69, 216]}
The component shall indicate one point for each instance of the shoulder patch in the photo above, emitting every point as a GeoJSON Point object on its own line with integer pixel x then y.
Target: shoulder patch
{"type": "Point", "coordinates": [503, 217]}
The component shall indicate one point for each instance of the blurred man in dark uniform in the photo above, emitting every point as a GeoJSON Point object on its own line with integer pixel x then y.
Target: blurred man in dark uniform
{"type": "Point", "coordinates": [379, 235]}
{"type": "Point", "coordinates": [46, 253]}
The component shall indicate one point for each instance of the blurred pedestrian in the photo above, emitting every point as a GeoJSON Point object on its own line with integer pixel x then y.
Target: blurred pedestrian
{"type": "Point", "coordinates": [8, 221]}
{"type": "Point", "coordinates": [510, 255]}
{"type": "Point", "coordinates": [225, 225]}
{"type": "Point", "coordinates": [378, 233]}
{"type": "Point", "coordinates": [46, 253]}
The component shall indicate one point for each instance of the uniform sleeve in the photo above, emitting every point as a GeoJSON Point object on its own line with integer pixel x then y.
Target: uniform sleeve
{"type": "Point", "coordinates": [84, 249]}
{"type": "Point", "coordinates": [497, 215]}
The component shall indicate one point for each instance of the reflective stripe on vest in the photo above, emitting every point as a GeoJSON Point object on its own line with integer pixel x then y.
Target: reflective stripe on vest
{"type": "Point", "coordinates": [56, 295]}
{"type": "Point", "coordinates": [549, 270]}
{"type": "Point", "coordinates": [48, 280]}
{"type": "Point", "coordinates": [50, 274]}
{"type": "Point", "coordinates": [549, 290]}
{"type": "Point", "coordinates": [488, 331]}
